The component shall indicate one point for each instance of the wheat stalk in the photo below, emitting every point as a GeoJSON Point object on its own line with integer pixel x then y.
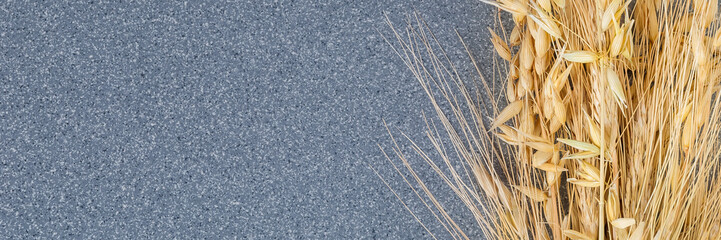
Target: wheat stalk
{"type": "Point", "coordinates": [611, 130]}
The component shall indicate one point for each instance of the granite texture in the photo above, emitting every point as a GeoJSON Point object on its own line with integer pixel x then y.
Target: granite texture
{"type": "Point", "coordinates": [213, 119]}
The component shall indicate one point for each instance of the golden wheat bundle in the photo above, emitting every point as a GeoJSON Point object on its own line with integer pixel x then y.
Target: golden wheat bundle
{"type": "Point", "coordinates": [609, 127]}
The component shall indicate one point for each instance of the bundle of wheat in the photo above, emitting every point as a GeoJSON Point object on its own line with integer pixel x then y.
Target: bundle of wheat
{"type": "Point", "coordinates": [611, 127]}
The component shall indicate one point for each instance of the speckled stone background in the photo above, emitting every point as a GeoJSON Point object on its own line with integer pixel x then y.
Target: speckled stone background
{"type": "Point", "coordinates": [213, 119]}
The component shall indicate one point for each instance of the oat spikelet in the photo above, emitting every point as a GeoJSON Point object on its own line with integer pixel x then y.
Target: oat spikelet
{"type": "Point", "coordinates": [583, 146]}
{"type": "Point", "coordinates": [532, 193]}
{"type": "Point", "coordinates": [500, 46]}
{"type": "Point", "coordinates": [580, 56]}
{"type": "Point", "coordinates": [623, 223]}
{"type": "Point", "coordinates": [614, 83]}
{"type": "Point", "coordinates": [572, 234]}
{"type": "Point", "coordinates": [509, 112]}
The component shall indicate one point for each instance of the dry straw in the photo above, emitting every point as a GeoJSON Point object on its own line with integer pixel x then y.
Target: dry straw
{"type": "Point", "coordinates": [610, 130]}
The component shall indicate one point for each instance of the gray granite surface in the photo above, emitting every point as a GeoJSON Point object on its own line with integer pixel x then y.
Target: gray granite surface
{"type": "Point", "coordinates": [213, 119]}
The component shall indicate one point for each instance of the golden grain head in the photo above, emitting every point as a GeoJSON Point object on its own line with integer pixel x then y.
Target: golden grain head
{"type": "Point", "coordinates": [516, 7]}
{"type": "Point", "coordinates": [591, 172]}
{"type": "Point", "coordinates": [532, 193]}
{"type": "Point", "coordinates": [540, 157]}
{"type": "Point", "coordinates": [609, 15]}
{"type": "Point", "coordinates": [614, 83]}
{"type": "Point", "coordinates": [562, 79]}
{"type": "Point", "coordinates": [542, 43]}
{"type": "Point", "coordinates": [617, 44]}
{"type": "Point", "coordinates": [637, 233]}
{"type": "Point", "coordinates": [540, 146]}
{"type": "Point", "coordinates": [581, 155]}
{"type": "Point", "coordinates": [526, 53]}
{"type": "Point", "coordinates": [559, 109]}
{"type": "Point", "coordinates": [555, 125]}
{"type": "Point", "coordinates": [500, 46]}
{"type": "Point", "coordinates": [613, 208]}
{"type": "Point", "coordinates": [548, 25]}
{"type": "Point", "coordinates": [575, 235]}
{"type": "Point", "coordinates": [507, 113]}
{"type": "Point", "coordinates": [623, 223]}
{"type": "Point", "coordinates": [594, 131]}
{"type": "Point", "coordinates": [581, 56]}
{"type": "Point", "coordinates": [584, 183]}
{"type": "Point", "coordinates": [545, 5]}
{"type": "Point", "coordinates": [552, 168]}
{"type": "Point", "coordinates": [583, 146]}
